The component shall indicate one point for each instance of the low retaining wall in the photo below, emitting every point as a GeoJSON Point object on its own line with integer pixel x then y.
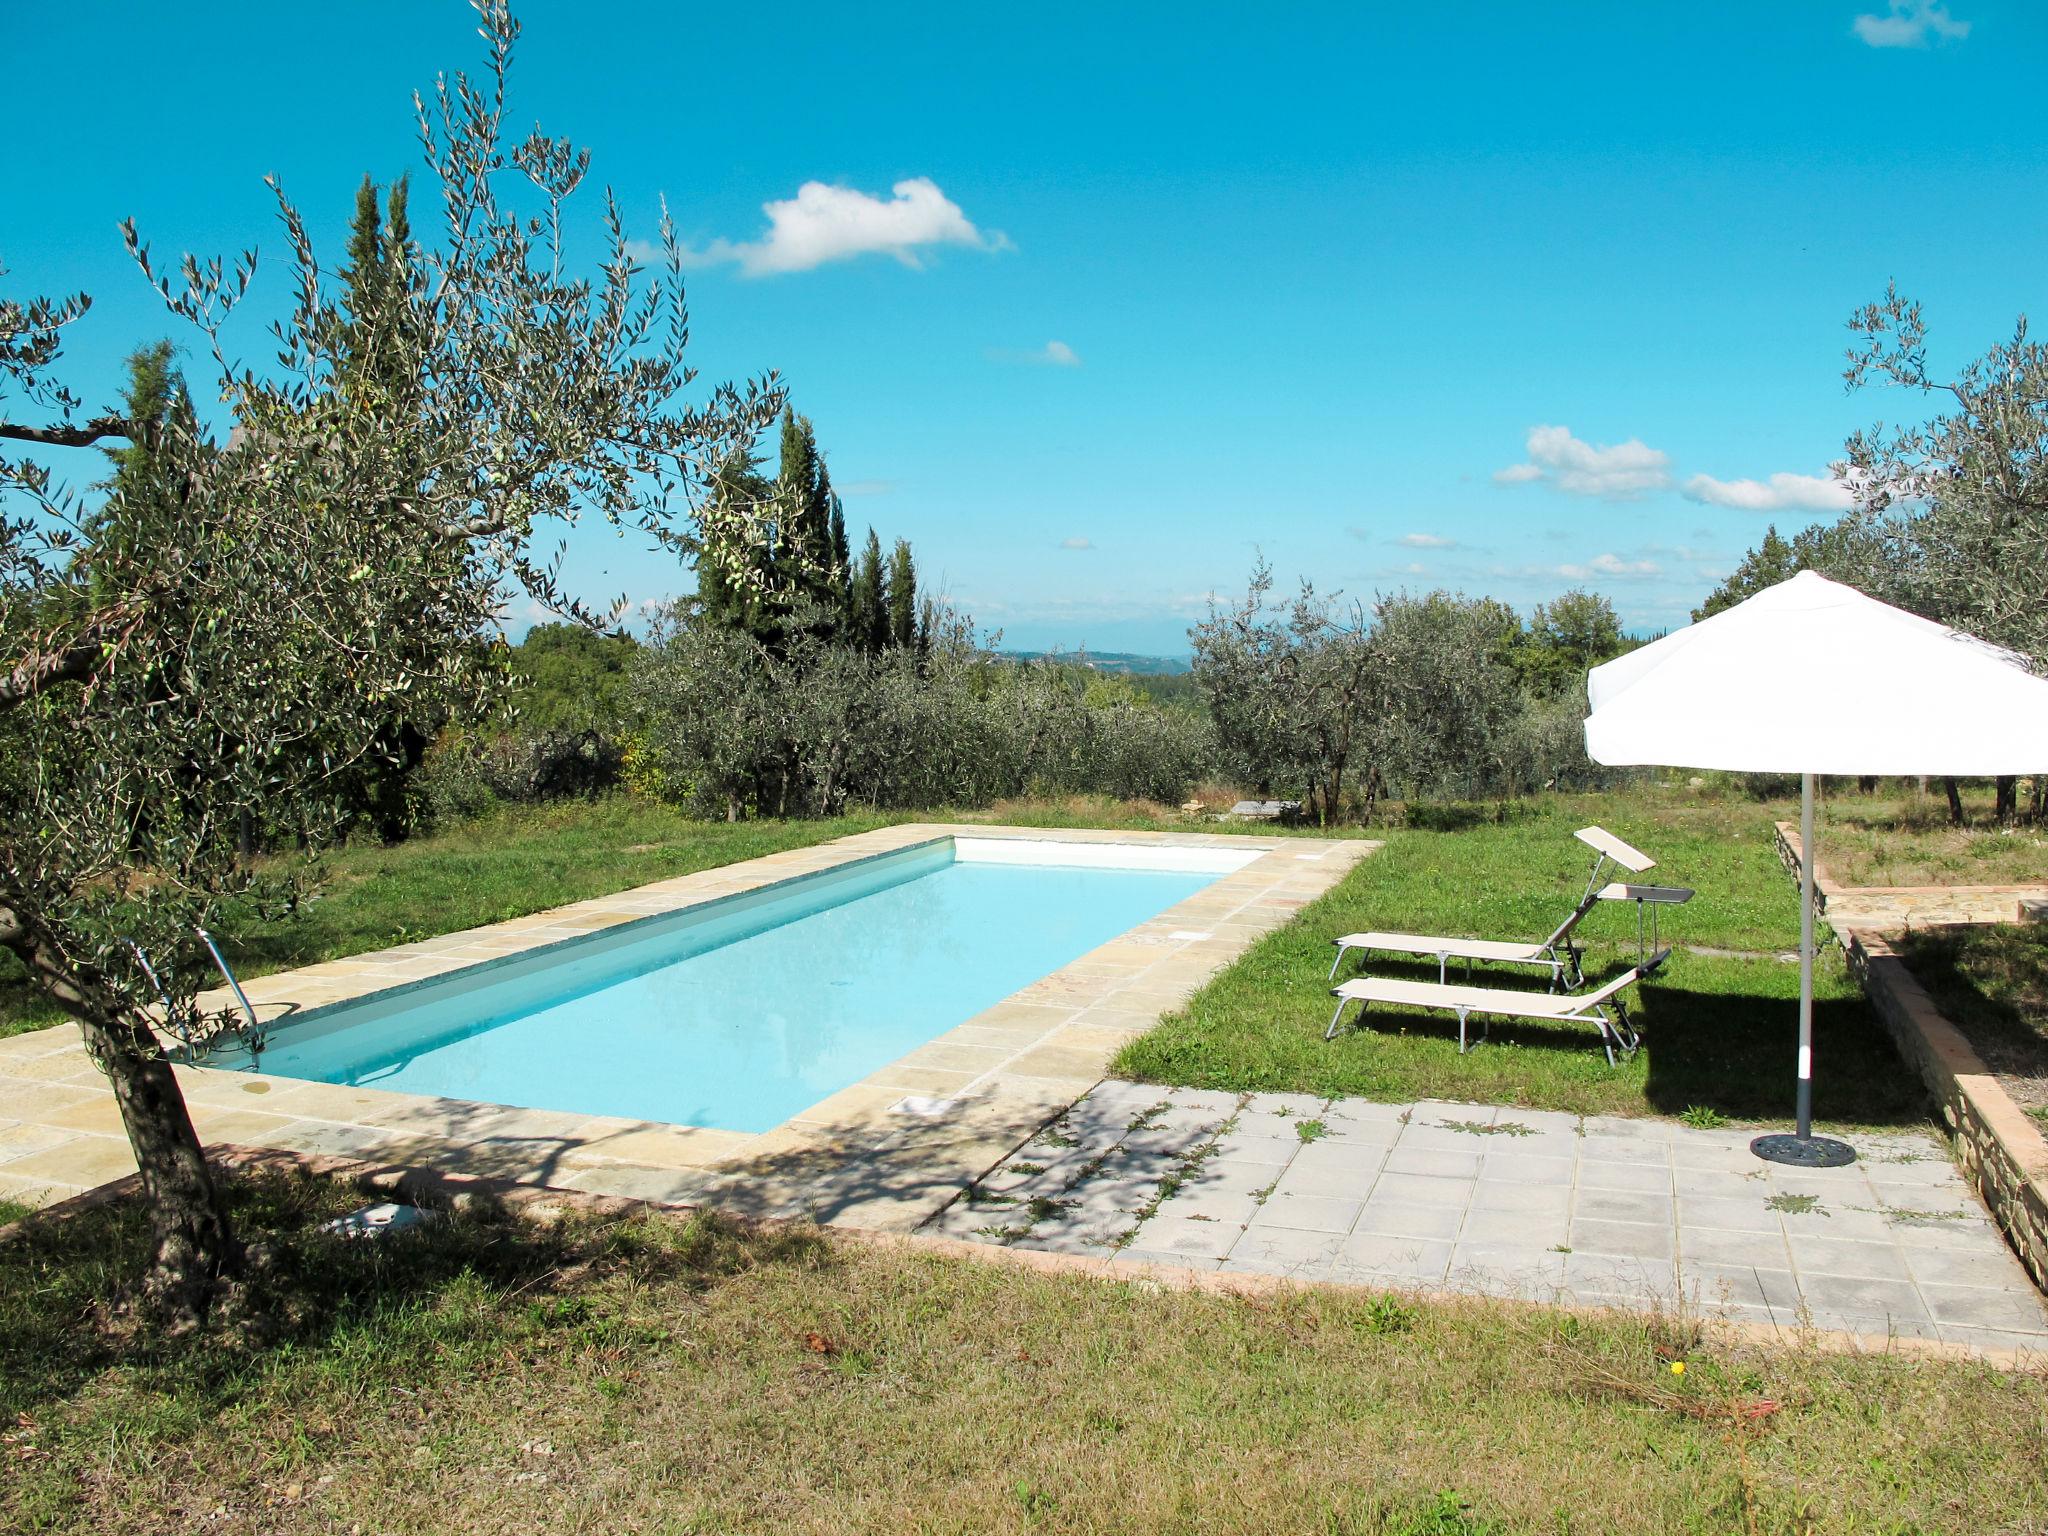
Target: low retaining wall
{"type": "Point", "coordinates": [2000, 1148]}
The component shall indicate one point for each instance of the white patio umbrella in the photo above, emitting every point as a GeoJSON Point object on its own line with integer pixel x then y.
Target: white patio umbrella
{"type": "Point", "coordinates": [1812, 677]}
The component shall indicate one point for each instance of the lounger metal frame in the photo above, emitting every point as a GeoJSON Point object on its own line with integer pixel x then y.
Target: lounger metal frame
{"type": "Point", "coordinates": [1616, 1030]}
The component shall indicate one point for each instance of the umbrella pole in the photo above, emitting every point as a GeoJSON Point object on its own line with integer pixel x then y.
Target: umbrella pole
{"type": "Point", "coordinates": [1803, 1149]}
{"type": "Point", "coordinates": [1804, 1113]}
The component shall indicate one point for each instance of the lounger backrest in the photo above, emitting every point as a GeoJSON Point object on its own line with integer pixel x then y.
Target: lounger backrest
{"type": "Point", "coordinates": [1632, 974]}
{"type": "Point", "coordinates": [1609, 848]}
{"type": "Point", "coordinates": [1602, 841]}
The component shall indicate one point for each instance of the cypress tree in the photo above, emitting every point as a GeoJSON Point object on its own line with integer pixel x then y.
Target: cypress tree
{"type": "Point", "coordinates": [840, 591]}
{"type": "Point", "coordinates": [379, 281]}
{"type": "Point", "coordinates": [365, 254]}
{"type": "Point", "coordinates": [716, 599]}
{"type": "Point", "coordinates": [870, 628]}
{"type": "Point", "coordinates": [362, 285]}
{"type": "Point", "coordinates": [902, 596]}
{"type": "Point", "coordinates": [155, 395]}
{"type": "Point", "coordinates": [379, 380]}
{"type": "Point", "coordinates": [397, 225]}
{"type": "Point", "coordinates": [737, 488]}
{"type": "Point", "coordinates": [842, 556]}
{"type": "Point", "coordinates": [796, 472]}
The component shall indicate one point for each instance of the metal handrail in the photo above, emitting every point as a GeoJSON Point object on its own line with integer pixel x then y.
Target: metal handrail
{"type": "Point", "coordinates": [240, 996]}
{"type": "Point", "coordinates": [171, 1020]}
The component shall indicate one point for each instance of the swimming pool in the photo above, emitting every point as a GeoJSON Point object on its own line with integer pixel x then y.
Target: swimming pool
{"type": "Point", "coordinates": [738, 1013]}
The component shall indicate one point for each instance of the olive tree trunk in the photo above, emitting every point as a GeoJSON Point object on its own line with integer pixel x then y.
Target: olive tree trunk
{"type": "Point", "coordinates": [193, 1247]}
{"type": "Point", "coordinates": [194, 1251]}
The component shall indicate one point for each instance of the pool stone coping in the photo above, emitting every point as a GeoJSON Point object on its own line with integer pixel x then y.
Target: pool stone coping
{"type": "Point", "coordinates": [883, 1153]}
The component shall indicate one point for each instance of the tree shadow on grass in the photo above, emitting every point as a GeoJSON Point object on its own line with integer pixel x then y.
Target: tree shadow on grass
{"type": "Point", "coordinates": [409, 1304]}
{"type": "Point", "coordinates": [1735, 1053]}
{"type": "Point", "coordinates": [1463, 816]}
{"type": "Point", "coordinates": [64, 1276]}
{"type": "Point", "coordinates": [1991, 982]}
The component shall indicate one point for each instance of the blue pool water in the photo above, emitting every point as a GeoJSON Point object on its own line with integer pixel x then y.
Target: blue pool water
{"type": "Point", "coordinates": [740, 1014]}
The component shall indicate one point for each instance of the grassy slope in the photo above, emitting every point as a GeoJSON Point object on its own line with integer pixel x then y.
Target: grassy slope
{"type": "Point", "coordinates": [657, 1376]}
{"type": "Point", "coordinates": [1718, 1029]}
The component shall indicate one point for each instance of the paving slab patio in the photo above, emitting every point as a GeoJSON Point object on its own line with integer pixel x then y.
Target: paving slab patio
{"type": "Point", "coordinates": [1523, 1203]}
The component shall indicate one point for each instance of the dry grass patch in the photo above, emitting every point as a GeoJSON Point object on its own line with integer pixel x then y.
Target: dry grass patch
{"type": "Point", "coordinates": [1907, 840]}
{"type": "Point", "coordinates": [664, 1375]}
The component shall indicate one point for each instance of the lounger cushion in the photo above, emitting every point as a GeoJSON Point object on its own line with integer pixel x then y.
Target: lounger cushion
{"type": "Point", "coordinates": [1423, 944]}
{"type": "Point", "coordinates": [1495, 1000]}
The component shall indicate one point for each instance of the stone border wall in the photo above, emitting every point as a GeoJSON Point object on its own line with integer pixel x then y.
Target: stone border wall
{"type": "Point", "coordinates": [2000, 1148]}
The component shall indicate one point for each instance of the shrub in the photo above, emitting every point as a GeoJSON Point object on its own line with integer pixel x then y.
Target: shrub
{"type": "Point", "coordinates": [730, 725]}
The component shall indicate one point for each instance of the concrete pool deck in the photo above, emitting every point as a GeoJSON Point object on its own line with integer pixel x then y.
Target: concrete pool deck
{"type": "Point", "coordinates": [1597, 1211]}
{"type": "Point", "coordinates": [884, 1153]}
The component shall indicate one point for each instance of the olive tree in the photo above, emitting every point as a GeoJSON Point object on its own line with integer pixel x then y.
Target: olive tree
{"type": "Point", "coordinates": [1446, 705]}
{"type": "Point", "coordinates": [1961, 499]}
{"type": "Point", "coordinates": [172, 664]}
{"type": "Point", "coordinates": [1327, 698]}
{"type": "Point", "coordinates": [1291, 690]}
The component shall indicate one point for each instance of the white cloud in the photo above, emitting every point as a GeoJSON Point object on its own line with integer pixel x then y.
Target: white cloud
{"type": "Point", "coordinates": [1612, 566]}
{"type": "Point", "coordinates": [824, 223]}
{"type": "Point", "coordinates": [1617, 472]}
{"type": "Point", "coordinates": [1780, 493]}
{"type": "Point", "coordinates": [1910, 24]}
{"type": "Point", "coordinates": [1076, 544]}
{"type": "Point", "coordinates": [1426, 541]}
{"type": "Point", "coordinates": [866, 488]}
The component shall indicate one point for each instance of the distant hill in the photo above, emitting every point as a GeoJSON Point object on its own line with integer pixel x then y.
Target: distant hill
{"type": "Point", "coordinates": [1127, 662]}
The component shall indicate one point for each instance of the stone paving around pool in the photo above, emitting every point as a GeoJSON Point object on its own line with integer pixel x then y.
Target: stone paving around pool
{"type": "Point", "coordinates": [1597, 1211]}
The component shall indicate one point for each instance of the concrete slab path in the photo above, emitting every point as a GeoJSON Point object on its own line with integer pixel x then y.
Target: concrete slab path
{"type": "Point", "coordinates": [1527, 1203]}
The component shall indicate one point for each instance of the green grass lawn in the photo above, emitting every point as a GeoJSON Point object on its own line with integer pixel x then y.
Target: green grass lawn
{"type": "Point", "coordinates": [524, 860]}
{"type": "Point", "coordinates": [1718, 1026]}
{"type": "Point", "coordinates": [663, 1375]}
{"type": "Point", "coordinates": [1719, 1029]}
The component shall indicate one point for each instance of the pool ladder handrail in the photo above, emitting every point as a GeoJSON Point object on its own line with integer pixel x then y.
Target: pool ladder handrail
{"type": "Point", "coordinates": [171, 1020]}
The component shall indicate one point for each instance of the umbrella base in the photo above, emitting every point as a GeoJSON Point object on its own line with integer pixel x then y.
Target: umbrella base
{"type": "Point", "coordinates": [1804, 1151]}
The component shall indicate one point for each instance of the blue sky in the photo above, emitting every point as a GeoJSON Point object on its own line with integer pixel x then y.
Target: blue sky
{"type": "Point", "coordinates": [1092, 302]}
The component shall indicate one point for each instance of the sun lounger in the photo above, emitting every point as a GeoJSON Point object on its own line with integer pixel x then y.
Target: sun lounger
{"type": "Point", "coordinates": [1557, 952]}
{"type": "Point", "coordinates": [1547, 1007]}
